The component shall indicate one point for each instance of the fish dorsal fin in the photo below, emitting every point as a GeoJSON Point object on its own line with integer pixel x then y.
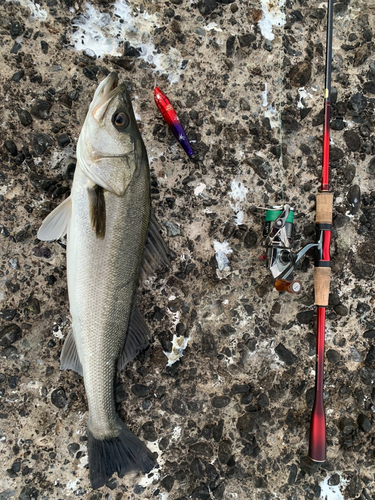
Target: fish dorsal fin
{"type": "Point", "coordinates": [136, 340]}
{"type": "Point", "coordinates": [97, 210]}
{"type": "Point", "coordinates": [156, 251]}
{"type": "Point", "coordinates": [55, 225]}
{"type": "Point", "coordinates": [69, 359]}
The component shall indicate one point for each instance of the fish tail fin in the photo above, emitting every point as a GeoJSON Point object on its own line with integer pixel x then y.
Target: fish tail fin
{"type": "Point", "coordinates": [122, 454]}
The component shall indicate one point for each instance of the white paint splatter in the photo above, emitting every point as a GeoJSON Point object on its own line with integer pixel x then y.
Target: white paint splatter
{"type": "Point", "coordinates": [212, 26]}
{"type": "Point", "coordinates": [104, 34]}
{"type": "Point", "coordinates": [199, 189]}
{"type": "Point", "coordinates": [36, 12]}
{"type": "Point", "coordinates": [264, 95]}
{"type": "Point", "coordinates": [332, 492]}
{"type": "Point", "coordinates": [237, 200]}
{"type": "Point", "coordinates": [273, 116]}
{"type": "Point", "coordinates": [303, 94]}
{"type": "Point", "coordinates": [273, 15]}
{"type": "Point", "coordinates": [223, 263]}
{"type": "Point", "coordinates": [179, 344]}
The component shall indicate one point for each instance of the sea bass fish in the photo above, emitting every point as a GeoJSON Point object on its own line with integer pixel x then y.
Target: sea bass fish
{"type": "Point", "coordinates": [112, 238]}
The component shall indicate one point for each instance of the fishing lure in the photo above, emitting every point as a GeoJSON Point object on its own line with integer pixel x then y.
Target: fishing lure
{"type": "Point", "coordinates": [172, 120]}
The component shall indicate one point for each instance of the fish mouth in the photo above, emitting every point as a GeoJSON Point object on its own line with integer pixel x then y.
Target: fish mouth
{"type": "Point", "coordinates": [110, 89]}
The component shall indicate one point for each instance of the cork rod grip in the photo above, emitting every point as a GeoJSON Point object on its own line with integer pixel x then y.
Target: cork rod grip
{"type": "Point", "coordinates": [324, 203]}
{"type": "Point", "coordinates": [322, 277]}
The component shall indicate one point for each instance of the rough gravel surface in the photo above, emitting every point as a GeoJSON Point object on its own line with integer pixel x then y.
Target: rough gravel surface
{"type": "Point", "coordinates": [230, 418]}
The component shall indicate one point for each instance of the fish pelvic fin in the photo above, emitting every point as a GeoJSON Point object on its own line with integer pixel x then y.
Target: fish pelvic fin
{"type": "Point", "coordinates": [156, 253]}
{"type": "Point", "coordinates": [69, 356]}
{"type": "Point", "coordinates": [97, 210]}
{"type": "Point", "coordinates": [55, 225]}
{"type": "Point", "coordinates": [122, 454]}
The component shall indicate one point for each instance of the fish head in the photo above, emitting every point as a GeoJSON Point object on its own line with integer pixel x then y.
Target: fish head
{"type": "Point", "coordinates": [110, 148]}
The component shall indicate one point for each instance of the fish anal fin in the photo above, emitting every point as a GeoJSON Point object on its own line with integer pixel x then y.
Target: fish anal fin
{"type": "Point", "coordinates": [137, 339]}
{"type": "Point", "coordinates": [156, 252]}
{"type": "Point", "coordinates": [55, 225]}
{"type": "Point", "coordinates": [69, 359]}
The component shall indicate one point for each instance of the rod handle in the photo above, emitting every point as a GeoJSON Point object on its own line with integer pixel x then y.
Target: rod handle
{"type": "Point", "coordinates": [322, 278]}
{"type": "Point", "coordinates": [324, 206]}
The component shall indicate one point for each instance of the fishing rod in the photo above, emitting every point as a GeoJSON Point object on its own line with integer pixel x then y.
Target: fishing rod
{"type": "Point", "coordinates": [278, 232]}
{"type": "Point", "coordinates": [322, 271]}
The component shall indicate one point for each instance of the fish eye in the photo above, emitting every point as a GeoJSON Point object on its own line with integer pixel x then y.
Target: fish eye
{"type": "Point", "coordinates": [121, 120]}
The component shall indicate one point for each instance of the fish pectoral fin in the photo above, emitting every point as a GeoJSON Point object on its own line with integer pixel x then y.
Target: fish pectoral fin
{"type": "Point", "coordinates": [137, 338]}
{"type": "Point", "coordinates": [97, 210]}
{"type": "Point", "coordinates": [69, 359]}
{"type": "Point", "coordinates": [156, 252]}
{"type": "Point", "coordinates": [55, 225]}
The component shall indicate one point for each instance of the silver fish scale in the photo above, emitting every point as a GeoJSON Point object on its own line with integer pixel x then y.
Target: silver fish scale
{"type": "Point", "coordinates": [102, 280]}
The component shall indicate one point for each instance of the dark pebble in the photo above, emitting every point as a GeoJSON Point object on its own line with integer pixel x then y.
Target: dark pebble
{"type": "Point", "coordinates": [357, 103]}
{"type": "Point", "coordinates": [40, 182]}
{"type": "Point", "coordinates": [353, 141]}
{"type": "Point", "coordinates": [13, 382]}
{"type": "Point", "coordinates": [334, 480]}
{"type": "Point", "coordinates": [196, 468]}
{"type": "Point", "coordinates": [240, 389]}
{"type": "Point", "coordinates": [12, 287]}
{"type": "Point", "coordinates": [260, 167]}
{"type": "Point", "coordinates": [354, 198]}
{"type": "Point", "coordinates": [308, 466]}
{"type": "Point", "coordinates": [206, 6]}
{"type": "Point", "coordinates": [41, 252]}
{"type": "Point", "coordinates": [200, 493]}
{"type": "Point", "coordinates": [285, 355]}
{"type": "Point", "coordinates": [361, 55]}
{"type": "Point", "coordinates": [348, 173]}
{"type": "Point", "coordinates": [70, 167]}
{"type": "Point", "coordinates": [40, 142]}
{"type": "Point", "coordinates": [364, 422]}
{"type": "Point", "coordinates": [90, 72]}
{"type": "Point", "coordinates": [250, 239]}
{"type": "Point", "coordinates": [63, 140]}
{"type": "Point", "coordinates": [41, 109]}
{"type": "Point", "coordinates": [130, 51]}
{"type": "Point", "coordinates": [179, 407]}
{"type": "Point", "coordinates": [58, 398]}
{"type": "Point", "coordinates": [204, 449]}
{"type": "Point", "coordinates": [246, 399]}
{"type": "Point", "coordinates": [335, 153]}
{"type": "Point", "coordinates": [149, 432]}
{"type": "Point", "coordinates": [333, 356]}
{"type": "Point", "coordinates": [305, 317]}
{"type": "Point", "coordinates": [18, 75]}
{"type": "Point", "coordinates": [73, 448]}
{"type": "Point", "coordinates": [338, 124]}
{"type": "Point", "coordinates": [263, 400]}
{"type": "Point", "coordinates": [367, 375]}
{"type": "Point", "coordinates": [292, 474]}
{"type": "Point", "coordinates": [44, 46]}
{"type": "Point", "coordinates": [29, 493]}
{"type": "Point", "coordinates": [10, 352]}
{"type": "Point", "coordinates": [370, 358]}
{"type": "Point", "coordinates": [140, 390]}
{"type": "Point", "coordinates": [8, 314]}
{"type": "Point", "coordinates": [51, 279]}
{"type": "Point", "coordinates": [227, 330]}
{"type": "Point", "coordinates": [370, 334]}
{"type": "Point", "coordinates": [225, 451]}
{"type": "Point", "coordinates": [25, 117]}
{"type": "Point", "coordinates": [16, 48]}
{"type": "Point", "coordinates": [11, 147]}
{"type": "Point", "coordinates": [167, 483]}
{"type": "Point", "coordinates": [220, 401]}
{"type": "Point", "coordinates": [10, 334]}
{"type": "Point", "coordinates": [230, 45]}
{"type": "Point", "coordinates": [300, 74]}
{"type": "Point", "coordinates": [369, 87]}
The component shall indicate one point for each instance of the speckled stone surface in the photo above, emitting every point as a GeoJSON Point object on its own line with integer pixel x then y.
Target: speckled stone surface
{"type": "Point", "coordinates": [229, 419]}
